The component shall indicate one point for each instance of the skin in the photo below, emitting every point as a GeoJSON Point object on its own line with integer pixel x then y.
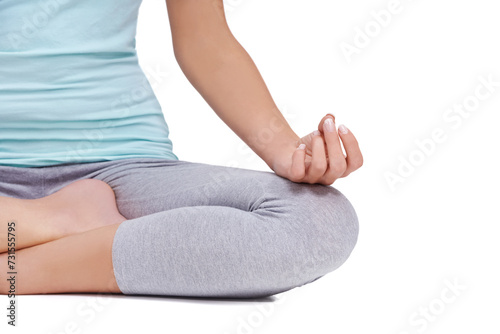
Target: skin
{"type": "Point", "coordinates": [69, 250]}
{"type": "Point", "coordinates": [224, 74]}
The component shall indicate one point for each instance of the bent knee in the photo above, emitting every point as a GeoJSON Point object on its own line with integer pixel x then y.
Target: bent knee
{"type": "Point", "coordinates": [327, 230]}
{"type": "Point", "coordinates": [318, 245]}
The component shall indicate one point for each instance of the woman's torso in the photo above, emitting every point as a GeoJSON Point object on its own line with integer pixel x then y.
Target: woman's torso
{"type": "Point", "coordinates": [71, 88]}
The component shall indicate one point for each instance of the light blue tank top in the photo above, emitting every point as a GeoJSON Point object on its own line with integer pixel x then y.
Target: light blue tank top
{"type": "Point", "coordinates": [71, 88]}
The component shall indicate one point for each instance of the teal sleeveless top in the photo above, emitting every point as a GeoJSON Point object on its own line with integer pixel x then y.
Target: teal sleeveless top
{"type": "Point", "coordinates": [71, 88]}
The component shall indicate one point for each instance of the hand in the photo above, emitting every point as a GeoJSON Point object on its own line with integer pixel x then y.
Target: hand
{"type": "Point", "coordinates": [322, 160]}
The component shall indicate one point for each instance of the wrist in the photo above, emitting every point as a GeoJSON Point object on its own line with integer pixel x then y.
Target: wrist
{"type": "Point", "coordinates": [274, 146]}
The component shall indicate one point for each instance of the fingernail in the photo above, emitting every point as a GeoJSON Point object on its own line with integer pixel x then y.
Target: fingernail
{"type": "Point", "coordinates": [302, 146]}
{"type": "Point", "coordinates": [343, 129]}
{"type": "Point", "coordinates": [328, 125]}
{"type": "Point", "coordinates": [316, 133]}
{"type": "Point", "coordinates": [331, 114]}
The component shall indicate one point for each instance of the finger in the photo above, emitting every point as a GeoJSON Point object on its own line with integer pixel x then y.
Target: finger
{"type": "Point", "coordinates": [298, 168]}
{"type": "Point", "coordinates": [353, 152]}
{"type": "Point", "coordinates": [320, 125]}
{"type": "Point", "coordinates": [307, 139]}
{"type": "Point", "coordinates": [336, 159]}
{"type": "Point", "coordinates": [318, 165]}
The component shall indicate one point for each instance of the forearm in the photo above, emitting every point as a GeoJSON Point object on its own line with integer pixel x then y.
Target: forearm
{"type": "Point", "coordinates": [225, 75]}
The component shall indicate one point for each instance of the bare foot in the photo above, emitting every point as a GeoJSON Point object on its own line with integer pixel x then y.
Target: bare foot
{"type": "Point", "coordinates": [78, 207]}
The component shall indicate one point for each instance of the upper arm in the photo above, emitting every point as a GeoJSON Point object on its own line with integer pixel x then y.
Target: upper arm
{"type": "Point", "coordinates": [195, 21]}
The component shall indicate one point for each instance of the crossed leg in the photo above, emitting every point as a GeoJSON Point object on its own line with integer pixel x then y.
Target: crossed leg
{"type": "Point", "coordinates": [62, 241]}
{"type": "Point", "coordinates": [194, 229]}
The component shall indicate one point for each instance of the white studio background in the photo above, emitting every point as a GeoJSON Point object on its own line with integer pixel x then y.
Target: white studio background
{"type": "Point", "coordinates": [415, 92]}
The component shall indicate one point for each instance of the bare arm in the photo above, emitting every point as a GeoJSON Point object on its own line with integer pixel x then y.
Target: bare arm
{"type": "Point", "coordinates": [224, 74]}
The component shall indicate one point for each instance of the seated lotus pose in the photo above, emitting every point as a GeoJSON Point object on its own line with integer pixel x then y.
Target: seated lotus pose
{"type": "Point", "coordinates": [92, 197]}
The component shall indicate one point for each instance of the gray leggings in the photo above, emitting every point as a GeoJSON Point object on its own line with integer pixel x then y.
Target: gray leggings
{"type": "Point", "coordinates": [201, 230]}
